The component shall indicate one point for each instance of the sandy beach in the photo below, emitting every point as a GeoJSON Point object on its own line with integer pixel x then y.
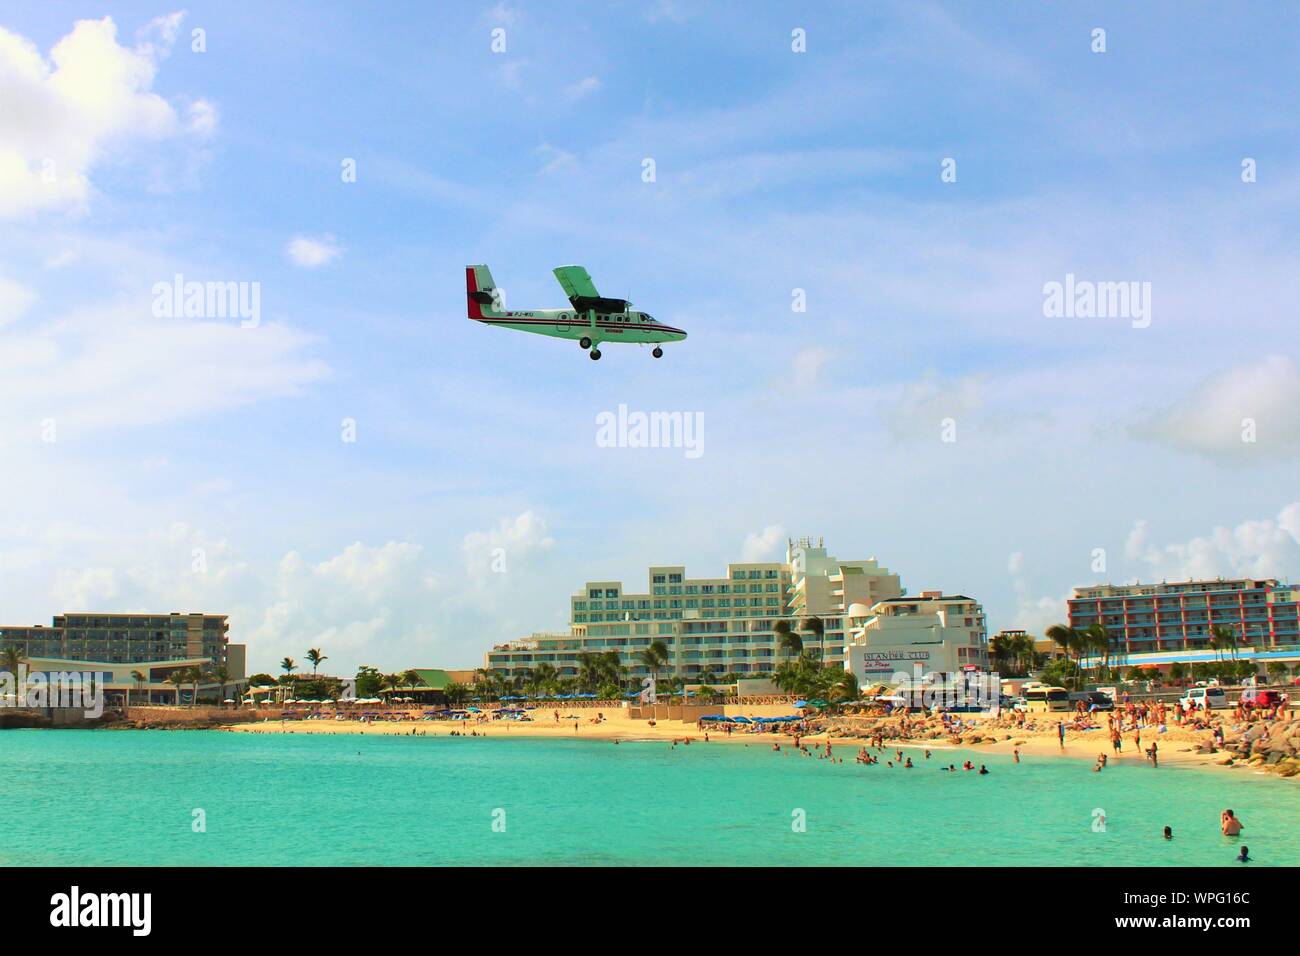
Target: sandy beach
{"type": "Point", "coordinates": [1177, 746]}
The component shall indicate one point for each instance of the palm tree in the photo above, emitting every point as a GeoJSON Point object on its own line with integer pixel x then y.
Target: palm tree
{"type": "Point", "coordinates": [654, 657]}
{"type": "Point", "coordinates": [288, 665]}
{"type": "Point", "coordinates": [12, 658]}
{"type": "Point", "coordinates": [221, 675]}
{"type": "Point", "coordinates": [178, 678]}
{"type": "Point", "coordinates": [411, 678]}
{"type": "Point", "coordinates": [1067, 639]}
{"type": "Point", "coordinates": [817, 627]}
{"type": "Point", "coordinates": [315, 658]}
{"type": "Point", "coordinates": [139, 679]}
{"type": "Point", "coordinates": [1223, 637]}
{"type": "Point", "coordinates": [195, 676]}
{"type": "Point", "coordinates": [456, 693]}
{"type": "Point", "coordinates": [544, 676]}
{"type": "Point", "coordinates": [787, 640]}
{"type": "Point", "coordinates": [392, 682]}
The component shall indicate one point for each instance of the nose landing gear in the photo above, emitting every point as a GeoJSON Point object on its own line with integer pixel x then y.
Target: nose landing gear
{"type": "Point", "coordinates": [584, 343]}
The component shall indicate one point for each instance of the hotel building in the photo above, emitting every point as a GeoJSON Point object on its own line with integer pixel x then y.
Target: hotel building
{"type": "Point", "coordinates": [1150, 618]}
{"type": "Point", "coordinates": [711, 626]}
{"type": "Point", "coordinates": [935, 632]}
{"type": "Point", "coordinates": [114, 645]}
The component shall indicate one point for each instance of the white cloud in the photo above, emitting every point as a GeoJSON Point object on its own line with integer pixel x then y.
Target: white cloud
{"type": "Point", "coordinates": [761, 545]}
{"type": "Point", "coordinates": [806, 367]}
{"type": "Point", "coordinates": [502, 14]}
{"type": "Point", "coordinates": [1033, 614]}
{"type": "Point", "coordinates": [312, 253]}
{"type": "Point", "coordinates": [106, 366]}
{"type": "Point", "coordinates": [920, 407]}
{"type": "Point", "coordinates": [202, 118]}
{"type": "Point", "coordinates": [14, 301]}
{"type": "Point", "coordinates": [583, 88]}
{"type": "Point", "coordinates": [1212, 419]}
{"type": "Point", "coordinates": [61, 116]}
{"type": "Point", "coordinates": [1257, 548]}
{"type": "Point", "coordinates": [512, 541]}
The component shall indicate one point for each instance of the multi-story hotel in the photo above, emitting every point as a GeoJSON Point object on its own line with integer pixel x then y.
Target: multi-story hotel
{"type": "Point", "coordinates": [1146, 618]}
{"type": "Point", "coordinates": [935, 633]}
{"type": "Point", "coordinates": [711, 626]}
{"type": "Point", "coordinates": [156, 645]}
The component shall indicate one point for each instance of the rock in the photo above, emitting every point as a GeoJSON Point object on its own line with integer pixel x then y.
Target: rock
{"type": "Point", "coordinates": [1226, 760]}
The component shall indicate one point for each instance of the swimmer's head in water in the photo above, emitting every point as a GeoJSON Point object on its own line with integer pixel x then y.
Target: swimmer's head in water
{"type": "Point", "coordinates": [1169, 833]}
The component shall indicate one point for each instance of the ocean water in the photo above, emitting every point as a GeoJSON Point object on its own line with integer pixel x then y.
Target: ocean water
{"type": "Point", "coordinates": [103, 797]}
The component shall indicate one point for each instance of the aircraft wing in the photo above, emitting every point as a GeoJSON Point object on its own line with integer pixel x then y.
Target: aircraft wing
{"type": "Point", "coordinates": [582, 292]}
{"type": "Point", "coordinates": [575, 282]}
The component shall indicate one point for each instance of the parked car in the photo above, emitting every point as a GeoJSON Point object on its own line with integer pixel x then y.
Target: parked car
{"type": "Point", "coordinates": [1092, 700]}
{"type": "Point", "coordinates": [1261, 697]}
{"type": "Point", "coordinates": [1199, 697]}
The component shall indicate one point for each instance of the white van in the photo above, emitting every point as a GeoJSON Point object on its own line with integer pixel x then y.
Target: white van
{"type": "Point", "coordinates": [1201, 697]}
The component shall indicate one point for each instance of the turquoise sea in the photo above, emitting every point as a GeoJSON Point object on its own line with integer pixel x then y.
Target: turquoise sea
{"type": "Point", "coordinates": [129, 797]}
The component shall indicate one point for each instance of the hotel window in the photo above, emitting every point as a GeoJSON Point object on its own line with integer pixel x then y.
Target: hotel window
{"type": "Point", "coordinates": [674, 579]}
{"type": "Point", "coordinates": [706, 589]}
{"type": "Point", "coordinates": [594, 593]}
{"type": "Point", "coordinates": [657, 579]}
{"type": "Point", "coordinates": [611, 592]}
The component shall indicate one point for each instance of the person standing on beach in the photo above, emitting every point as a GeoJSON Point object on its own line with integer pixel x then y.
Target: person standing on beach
{"type": "Point", "coordinates": [1060, 733]}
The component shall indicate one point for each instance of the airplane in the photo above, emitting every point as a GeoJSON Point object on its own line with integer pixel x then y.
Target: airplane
{"type": "Point", "coordinates": [591, 318]}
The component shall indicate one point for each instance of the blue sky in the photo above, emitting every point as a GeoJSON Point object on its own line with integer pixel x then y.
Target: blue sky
{"type": "Point", "coordinates": [775, 171]}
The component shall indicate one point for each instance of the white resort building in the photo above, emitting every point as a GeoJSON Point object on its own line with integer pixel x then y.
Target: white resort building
{"type": "Point", "coordinates": [935, 632]}
{"type": "Point", "coordinates": [712, 626]}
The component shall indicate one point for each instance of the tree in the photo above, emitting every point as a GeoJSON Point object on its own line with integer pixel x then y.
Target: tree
{"type": "Point", "coordinates": [456, 693]}
{"type": "Point", "coordinates": [1278, 671]}
{"type": "Point", "coordinates": [787, 641]}
{"type": "Point", "coordinates": [195, 676]}
{"type": "Point", "coordinates": [368, 681]}
{"type": "Point", "coordinates": [139, 679]}
{"type": "Point", "coordinates": [411, 678]}
{"type": "Point", "coordinates": [315, 658]}
{"type": "Point", "coordinates": [817, 628]}
{"type": "Point", "coordinates": [1177, 672]}
{"type": "Point", "coordinates": [1070, 641]}
{"type": "Point", "coordinates": [1223, 637]}
{"type": "Point", "coordinates": [544, 677]}
{"type": "Point", "coordinates": [288, 665]}
{"type": "Point", "coordinates": [176, 678]}
{"type": "Point", "coordinates": [221, 675]}
{"type": "Point", "coordinates": [654, 657]}
{"type": "Point", "coordinates": [12, 659]}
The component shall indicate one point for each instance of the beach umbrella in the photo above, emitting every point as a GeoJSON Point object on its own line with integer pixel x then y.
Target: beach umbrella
{"type": "Point", "coordinates": [801, 703]}
{"type": "Point", "coordinates": [741, 720]}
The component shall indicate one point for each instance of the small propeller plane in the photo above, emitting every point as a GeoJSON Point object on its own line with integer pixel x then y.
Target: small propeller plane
{"type": "Point", "coordinates": [591, 318]}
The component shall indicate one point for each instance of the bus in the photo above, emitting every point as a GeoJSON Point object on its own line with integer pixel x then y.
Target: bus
{"type": "Point", "coordinates": [1043, 698]}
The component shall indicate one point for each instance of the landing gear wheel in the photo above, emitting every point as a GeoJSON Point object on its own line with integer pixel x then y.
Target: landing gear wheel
{"type": "Point", "coordinates": [584, 343]}
{"type": "Point", "coordinates": [658, 352]}
{"type": "Point", "coordinates": [595, 355]}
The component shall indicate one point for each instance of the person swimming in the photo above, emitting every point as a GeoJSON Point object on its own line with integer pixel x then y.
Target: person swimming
{"type": "Point", "coordinates": [1230, 824]}
{"type": "Point", "coordinates": [983, 770]}
{"type": "Point", "coordinates": [1244, 855]}
{"type": "Point", "coordinates": [1169, 833]}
